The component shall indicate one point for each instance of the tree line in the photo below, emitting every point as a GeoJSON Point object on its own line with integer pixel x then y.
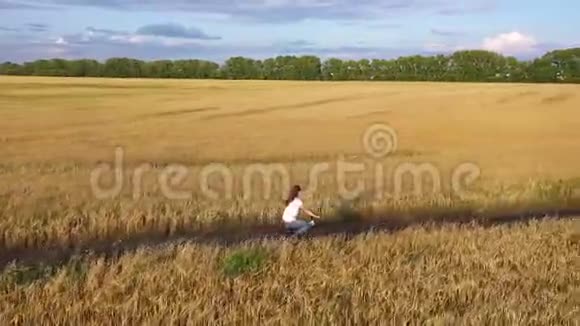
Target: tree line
{"type": "Point", "coordinates": [473, 66]}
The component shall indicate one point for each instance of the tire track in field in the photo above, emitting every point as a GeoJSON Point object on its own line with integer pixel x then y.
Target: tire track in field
{"type": "Point", "coordinates": [228, 235]}
{"type": "Point", "coordinates": [179, 112]}
{"type": "Point", "coordinates": [63, 131]}
{"type": "Point", "coordinates": [516, 97]}
{"type": "Point", "coordinates": [302, 105]}
{"type": "Point", "coordinates": [377, 113]}
{"type": "Point", "coordinates": [561, 97]}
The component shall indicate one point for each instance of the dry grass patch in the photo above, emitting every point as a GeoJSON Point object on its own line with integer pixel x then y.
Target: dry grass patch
{"type": "Point", "coordinates": [504, 275]}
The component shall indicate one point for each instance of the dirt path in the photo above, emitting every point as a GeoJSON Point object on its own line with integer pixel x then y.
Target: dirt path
{"type": "Point", "coordinates": [227, 235]}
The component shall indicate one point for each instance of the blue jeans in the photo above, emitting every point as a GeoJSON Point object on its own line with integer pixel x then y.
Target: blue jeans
{"type": "Point", "coordinates": [298, 227]}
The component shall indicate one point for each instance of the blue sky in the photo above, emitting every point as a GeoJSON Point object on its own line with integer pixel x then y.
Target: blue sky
{"type": "Point", "coordinates": [218, 29]}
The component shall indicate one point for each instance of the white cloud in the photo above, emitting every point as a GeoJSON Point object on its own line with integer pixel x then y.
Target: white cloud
{"type": "Point", "coordinates": [165, 35]}
{"type": "Point", "coordinates": [60, 41]}
{"type": "Point", "coordinates": [513, 43]}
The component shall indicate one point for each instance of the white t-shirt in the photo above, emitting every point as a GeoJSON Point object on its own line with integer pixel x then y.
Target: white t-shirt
{"type": "Point", "coordinates": [292, 210]}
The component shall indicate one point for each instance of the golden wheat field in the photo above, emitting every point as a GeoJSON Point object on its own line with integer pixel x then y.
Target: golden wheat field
{"type": "Point", "coordinates": [518, 144]}
{"type": "Point", "coordinates": [524, 275]}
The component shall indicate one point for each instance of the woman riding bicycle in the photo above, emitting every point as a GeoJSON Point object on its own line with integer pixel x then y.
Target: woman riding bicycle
{"type": "Point", "coordinates": [294, 206]}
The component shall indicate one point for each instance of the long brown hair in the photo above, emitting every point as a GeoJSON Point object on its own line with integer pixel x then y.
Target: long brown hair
{"type": "Point", "coordinates": [294, 191]}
